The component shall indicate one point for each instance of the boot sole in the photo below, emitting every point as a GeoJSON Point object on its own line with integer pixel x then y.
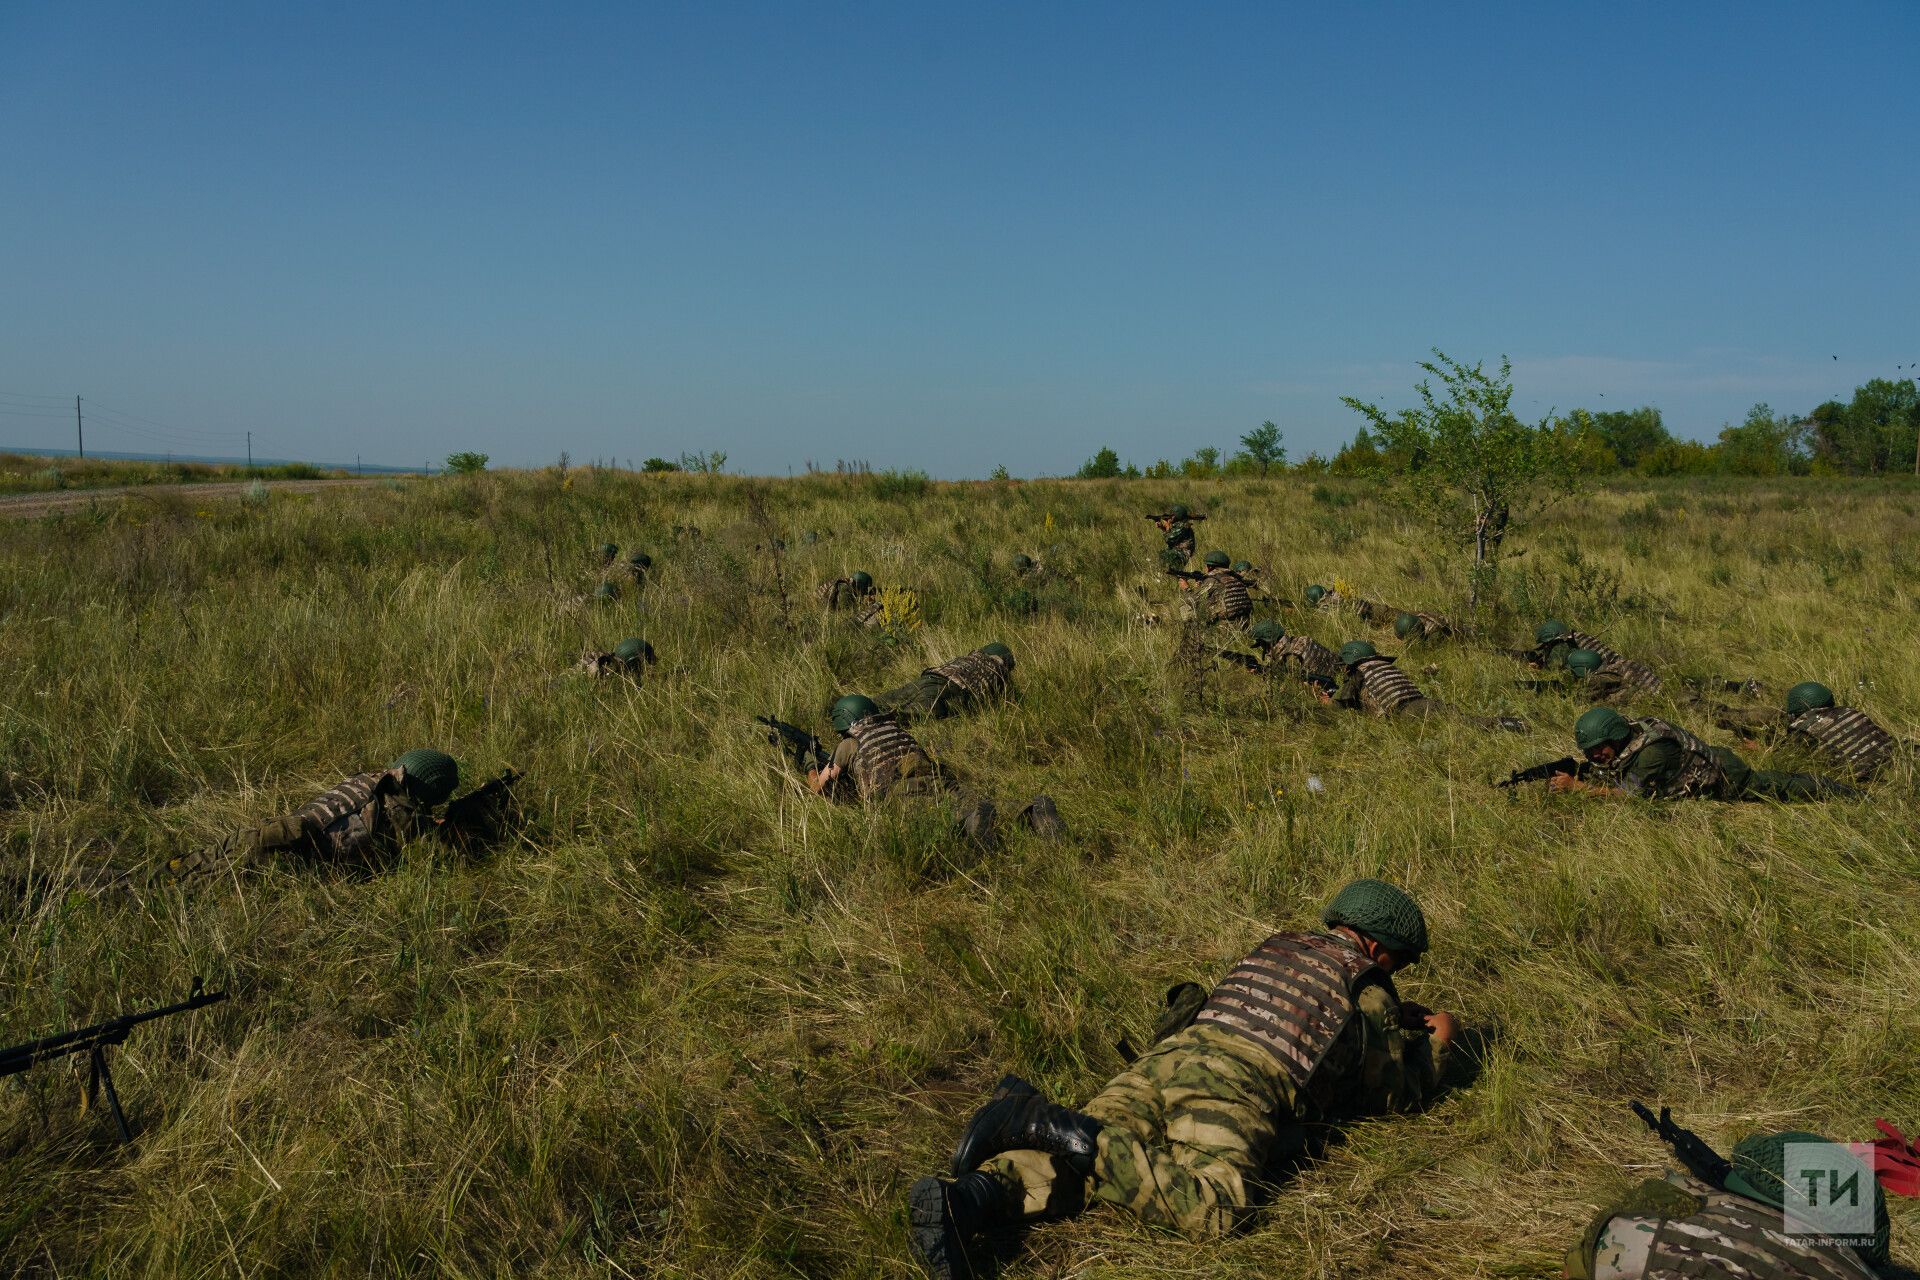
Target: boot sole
{"type": "Point", "coordinates": [933, 1241]}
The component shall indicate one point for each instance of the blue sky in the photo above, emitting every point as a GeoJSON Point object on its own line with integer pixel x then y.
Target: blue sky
{"type": "Point", "coordinates": [937, 237]}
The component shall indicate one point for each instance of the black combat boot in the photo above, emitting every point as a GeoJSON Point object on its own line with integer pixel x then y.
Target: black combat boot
{"type": "Point", "coordinates": [1022, 1120]}
{"type": "Point", "coordinates": [1043, 818]}
{"type": "Point", "coordinates": [944, 1217]}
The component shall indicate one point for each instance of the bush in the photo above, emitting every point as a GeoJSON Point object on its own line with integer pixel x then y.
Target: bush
{"type": "Point", "coordinates": [466, 463]}
{"type": "Point", "coordinates": [657, 465]}
{"type": "Point", "coordinates": [1104, 465]}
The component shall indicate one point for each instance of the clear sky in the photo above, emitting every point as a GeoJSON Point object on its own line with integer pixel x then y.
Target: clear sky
{"type": "Point", "coordinates": [942, 237]}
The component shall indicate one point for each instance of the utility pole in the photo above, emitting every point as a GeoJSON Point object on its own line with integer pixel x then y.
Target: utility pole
{"type": "Point", "coordinates": [79, 427]}
{"type": "Point", "coordinates": [249, 450]}
{"type": "Point", "coordinates": [357, 468]}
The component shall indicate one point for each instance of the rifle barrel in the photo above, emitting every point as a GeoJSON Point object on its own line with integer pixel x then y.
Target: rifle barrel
{"type": "Point", "coordinates": [110, 1031]}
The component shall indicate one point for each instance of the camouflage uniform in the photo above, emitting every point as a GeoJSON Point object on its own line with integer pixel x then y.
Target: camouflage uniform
{"type": "Point", "coordinates": [1315, 662]}
{"type": "Point", "coordinates": [877, 758]}
{"type": "Point", "coordinates": [1304, 1031]}
{"type": "Point", "coordinates": [1844, 734]}
{"type": "Point", "coordinates": [1377, 685]}
{"type": "Point", "coordinates": [1427, 626]}
{"type": "Point", "coordinates": [1223, 596]}
{"type": "Point", "coordinates": [1663, 761]}
{"type": "Point", "coordinates": [1682, 1229]}
{"type": "Point", "coordinates": [362, 820]}
{"type": "Point", "coordinates": [841, 594]}
{"type": "Point", "coordinates": [598, 664]}
{"type": "Point", "coordinates": [950, 688]}
{"type": "Point", "coordinates": [1181, 540]}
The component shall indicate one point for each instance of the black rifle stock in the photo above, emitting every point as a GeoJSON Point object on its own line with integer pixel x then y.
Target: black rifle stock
{"type": "Point", "coordinates": [1702, 1161]}
{"type": "Point", "coordinates": [94, 1042]}
{"type": "Point", "coordinates": [806, 750]}
{"type": "Point", "coordinates": [476, 815]}
{"type": "Point", "coordinates": [1565, 766]}
{"type": "Point", "coordinates": [1246, 660]}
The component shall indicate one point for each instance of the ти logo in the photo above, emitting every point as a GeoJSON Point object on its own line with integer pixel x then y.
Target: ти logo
{"type": "Point", "coordinates": [1829, 1193]}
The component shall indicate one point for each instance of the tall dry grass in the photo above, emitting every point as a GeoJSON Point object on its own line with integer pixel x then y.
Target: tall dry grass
{"type": "Point", "coordinates": [691, 1022]}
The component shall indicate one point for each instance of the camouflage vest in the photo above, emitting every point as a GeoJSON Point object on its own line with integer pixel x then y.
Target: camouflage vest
{"type": "Point", "coordinates": [881, 744]}
{"type": "Point", "coordinates": [1180, 538]}
{"type": "Point", "coordinates": [1293, 996]}
{"type": "Point", "coordinates": [1734, 1236]}
{"type": "Point", "coordinates": [1847, 733]}
{"type": "Point", "coordinates": [1228, 599]}
{"type": "Point", "coordinates": [1628, 674]}
{"type": "Point", "coordinates": [1314, 658]}
{"type": "Point", "coordinates": [981, 674]}
{"type": "Point", "coordinates": [1384, 687]}
{"type": "Point", "coordinates": [1700, 775]}
{"type": "Point", "coordinates": [1431, 625]}
{"type": "Point", "coordinates": [347, 821]}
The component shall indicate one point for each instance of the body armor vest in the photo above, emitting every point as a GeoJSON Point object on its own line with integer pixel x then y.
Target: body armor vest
{"type": "Point", "coordinates": [1700, 775]}
{"type": "Point", "coordinates": [1431, 625]}
{"type": "Point", "coordinates": [1734, 1236]}
{"type": "Point", "coordinates": [1846, 732]}
{"type": "Point", "coordinates": [347, 820]}
{"type": "Point", "coordinates": [1628, 674]}
{"type": "Point", "coordinates": [1384, 687]}
{"type": "Point", "coordinates": [881, 745]}
{"type": "Point", "coordinates": [1314, 658]}
{"type": "Point", "coordinates": [1228, 599]}
{"type": "Point", "coordinates": [981, 674]}
{"type": "Point", "coordinates": [1180, 538]}
{"type": "Point", "coordinates": [1293, 996]}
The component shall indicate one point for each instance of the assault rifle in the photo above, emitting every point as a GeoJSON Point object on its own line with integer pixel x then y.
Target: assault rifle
{"type": "Point", "coordinates": [477, 814]}
{"type": "Point", "coordinates": [806, 749]}
{"type": "Point", "coordinates": [1702, 1161]}
{"type": "Point", "coordinates": [1168, 515]}
{"type": "Point", "coordinates": [1186, 575]}
{"type": "Point", "coordinates": [1565, 766]}
{"type": "Point", "coordinates": [94, 1041]}
{"type": "Point", "coordinates": [1246, 660]}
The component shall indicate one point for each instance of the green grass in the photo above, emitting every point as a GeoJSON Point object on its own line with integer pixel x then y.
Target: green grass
{"type": "Point", "coordinates": [694, 1023]}
{"type": "Point", "coordinates": [34, 473]}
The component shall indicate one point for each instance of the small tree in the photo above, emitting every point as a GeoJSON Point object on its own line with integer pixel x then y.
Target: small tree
{"type": "Point", "coordinates": [466, 463]}
{"type": "Point", "coordinates": [1263, 446]}
{"type": "Point", "coordinates": [1104, 465]}
{"type": "Point", "coordinates": [658, 465]}
{"type": "Point", "coordinates": [1474, 470]}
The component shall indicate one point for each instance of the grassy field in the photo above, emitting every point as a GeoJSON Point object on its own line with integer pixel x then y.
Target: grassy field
{"type": "Point", "coordinates": [34, 473]}
{"type": "Point", "coordinates": [693, 1022]}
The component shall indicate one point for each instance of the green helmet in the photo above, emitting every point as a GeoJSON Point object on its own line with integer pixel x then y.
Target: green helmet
{"type": "Point", "coordinates": [1583, 662]}
{"type": "Point", "coordinates": [1267, 634]}
{"type": "Point", "coordinates": [633, 651]}
{"type": "Point", "coordinates": [1215, 560]}
{"type": "Point", "coordinates": [640, 560]}
{"type": "Point", "coordinates": [1243, 566]}
{"type": "Point", "coordinates": [1599, 726]}
{"type": "Point", "coordinates": [1356, 651]}
{"type": "Point", "coordinates": [1550, 630]}
{"type": "Point", "coordinates": [1807, 695]}
{"type": "Point", "coordinates": [1315, 593]}
{"type": "Point", "coordinates": [608, 551]}
{"type": "Point", "coordinates": [862, 581]}
{"type": "Point", "coordinates": [431, 776]}
{"type": "Point", "coordinates": [1179, 511]}
{"type": "Point", "coordinates": [851, 709]}
{"type": "Point", "coordinates": [1383, 912]}
{"type": "Point", "coordinates": [1000, 651]}
{"type": "Point", "coordinates": [1023, 563]}
{"type": "Point", "coordinates": [606, 591]}
{"type": "Point", "coordinates": [1404, 624]}
{"type": "Point", "coordinates": [1760, 1173]}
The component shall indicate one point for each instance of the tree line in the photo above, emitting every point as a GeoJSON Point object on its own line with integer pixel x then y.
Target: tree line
{"type": "Point", "coordinates": [1876, 432]}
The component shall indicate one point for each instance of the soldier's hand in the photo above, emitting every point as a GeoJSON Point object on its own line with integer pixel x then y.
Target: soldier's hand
{"type": "Point", "coordinates": [1565, 782]}
{"type": "Point", "coordinates": [1443, 1026]}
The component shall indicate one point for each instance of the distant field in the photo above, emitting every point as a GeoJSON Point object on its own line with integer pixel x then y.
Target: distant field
{"type": "Point", "coordinates": [33, 473]}
{"type": "Point", "coordinates": [694, 1022]}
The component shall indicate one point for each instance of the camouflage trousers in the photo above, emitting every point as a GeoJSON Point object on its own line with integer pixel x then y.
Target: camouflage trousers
{"type": "Point", "coordinates": [1744, 782]}
{"type": "Point", "coordinates": [1188, 1129]}
{"type": "Point", "coordinates": [928, 696]}
{"type": "Point", "coordinates": [240, 849]}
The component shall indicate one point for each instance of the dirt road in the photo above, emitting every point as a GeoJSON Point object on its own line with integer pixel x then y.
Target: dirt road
{"type": "Point", "coordinates": [23, 505]}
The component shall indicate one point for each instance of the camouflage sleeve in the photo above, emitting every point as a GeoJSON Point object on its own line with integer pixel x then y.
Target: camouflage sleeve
{"type": "Point", "coordinates": [1652, 770]}
{"type": "Point", "coordinates": [1349, 695]}
{"type": "Point", "coordinates": [1607, 1247]}
{"type": "Point", "coordinates": [844, 752]}
{"type": "Point", "coordinates": [1399, 1070]}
